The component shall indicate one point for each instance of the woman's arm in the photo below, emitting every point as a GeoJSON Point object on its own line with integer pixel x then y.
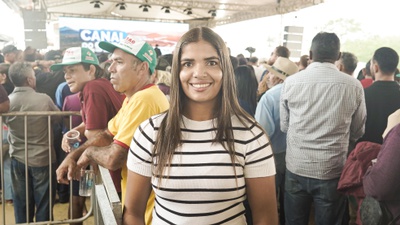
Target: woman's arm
{"type": "Point", "coordinates": [262, 199]}
{"type": "Point", "coordinates": [138, 191]}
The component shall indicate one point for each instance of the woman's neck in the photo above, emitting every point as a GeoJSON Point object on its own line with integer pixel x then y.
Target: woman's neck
{"type": "Point", "coordinates": [199, 112]}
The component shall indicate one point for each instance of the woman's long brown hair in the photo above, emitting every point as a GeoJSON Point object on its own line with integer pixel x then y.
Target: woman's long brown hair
{"type": "Point", "coordinates": [169, 134]}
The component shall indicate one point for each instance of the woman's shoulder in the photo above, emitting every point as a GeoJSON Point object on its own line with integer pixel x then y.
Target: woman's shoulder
{"type": "Point", "coordinates": [241, 123]}
{"type": "Point", "coordinates": [154, 121]}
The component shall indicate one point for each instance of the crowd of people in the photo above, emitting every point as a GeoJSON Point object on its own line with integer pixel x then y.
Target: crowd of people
{"type": "Point", "coordinates": [203, 137]}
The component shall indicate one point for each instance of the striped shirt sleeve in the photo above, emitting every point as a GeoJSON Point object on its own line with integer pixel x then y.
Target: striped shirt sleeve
{"type": "Point", "coordinates": [140, 151]}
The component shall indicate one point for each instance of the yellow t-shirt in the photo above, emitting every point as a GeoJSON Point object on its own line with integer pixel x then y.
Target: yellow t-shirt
{"type": "Point", "coordinates": [141, 106]}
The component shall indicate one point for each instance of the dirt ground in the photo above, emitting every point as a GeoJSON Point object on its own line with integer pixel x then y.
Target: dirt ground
{"type": "Point", "coordinates": [60, 213]}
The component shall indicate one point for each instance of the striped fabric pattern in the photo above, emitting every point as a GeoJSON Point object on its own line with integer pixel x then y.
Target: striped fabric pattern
{"type": "Point", "coordinates": [201, 186]}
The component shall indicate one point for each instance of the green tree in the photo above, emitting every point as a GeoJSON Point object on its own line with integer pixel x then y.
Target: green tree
{"type": "Point", "coordinates": [355, 40]}
{"type": "Point", "coordinates": [365, 48]}
{"type": "Point", "coordinates": [344, 28]}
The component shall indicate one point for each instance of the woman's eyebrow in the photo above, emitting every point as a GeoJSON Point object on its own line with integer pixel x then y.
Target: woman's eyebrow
{"type": "Point", "coordinates": [212, 57]}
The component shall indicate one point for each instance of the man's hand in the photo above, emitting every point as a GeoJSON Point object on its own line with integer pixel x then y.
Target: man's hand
{"type": "Point", "coordinates": [84, 160]}
{"type": "Point", "coordinates": [65, 145]}
{"type": "Point", "coordinates": [67, 171]}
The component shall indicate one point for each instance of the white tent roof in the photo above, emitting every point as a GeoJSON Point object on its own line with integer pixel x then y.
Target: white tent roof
{"type": "Point", "coordinates": [227, 11]}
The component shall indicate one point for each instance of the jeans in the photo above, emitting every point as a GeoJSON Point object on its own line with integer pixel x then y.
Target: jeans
{"type": "Point", "coordinates": [38, 192]}
{"type": "Point", "coordinates": [300, 192]}
{"type": "Point", "coordinates": [280, 165]}
{"type": "Point", "coordinates": [62, 189]}
{"type": "Point", "coordinates": [8, 192]}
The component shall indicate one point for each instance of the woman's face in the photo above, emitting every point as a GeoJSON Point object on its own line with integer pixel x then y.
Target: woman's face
{"type": "Point", "coordinates": [201, 74]}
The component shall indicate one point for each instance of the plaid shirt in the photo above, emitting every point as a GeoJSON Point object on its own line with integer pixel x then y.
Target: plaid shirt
{"type": "Point", "coordinates": [321, 109]}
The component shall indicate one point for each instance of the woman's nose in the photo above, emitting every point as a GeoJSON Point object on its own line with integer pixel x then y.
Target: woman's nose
{"type": "Point", "coordinates": [198, 70]}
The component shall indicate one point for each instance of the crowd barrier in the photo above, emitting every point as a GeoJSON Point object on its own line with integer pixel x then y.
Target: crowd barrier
{"type": "Point", "coordinates": [105, 204]}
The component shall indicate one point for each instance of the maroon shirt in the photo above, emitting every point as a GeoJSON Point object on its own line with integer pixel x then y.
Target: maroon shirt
{"type": "Point", "coordinates": [72, 103]}
{"type": "Point", "coordinates": [3, 94]}
{"type": "Point", "coordinates": [382, 179]}
{"type": "Point", "coordinates": [100, 102]}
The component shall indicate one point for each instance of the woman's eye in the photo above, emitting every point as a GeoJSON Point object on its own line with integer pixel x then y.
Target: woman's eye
{"type": "Point", "coordinates": [213, 63]}
{"type": "Point", "coordinates": [186, 64]}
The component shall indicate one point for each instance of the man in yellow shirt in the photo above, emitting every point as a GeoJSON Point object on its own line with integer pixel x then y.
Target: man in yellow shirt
{"type": "Point", "coordinates": [133, 63]}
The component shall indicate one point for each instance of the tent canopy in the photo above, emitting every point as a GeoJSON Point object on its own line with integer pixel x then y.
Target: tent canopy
{"type": "Point", "coordinates": [212, 12]}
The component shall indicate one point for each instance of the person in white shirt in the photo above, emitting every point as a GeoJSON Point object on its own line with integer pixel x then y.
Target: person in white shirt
{"type": "Point", "coordinates": [321, 109]}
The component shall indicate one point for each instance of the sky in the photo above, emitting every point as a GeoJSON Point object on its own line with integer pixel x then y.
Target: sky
{"type": "Point", "coordinates": [374, 17]}
{"type": "Point", "coordinates": [15, 26]}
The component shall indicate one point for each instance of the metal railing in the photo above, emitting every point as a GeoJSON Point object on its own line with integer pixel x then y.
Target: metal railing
{"type": "Point", "coordinates": [108, 202]}
{"type": "Point", "coordinates": [105, 203]}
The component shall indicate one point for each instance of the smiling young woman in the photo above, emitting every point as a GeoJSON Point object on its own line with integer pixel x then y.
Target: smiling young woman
{"type": "Point", "coordinates": [205, 155]}
{"type": "Point", "coordinates": [201, 79]}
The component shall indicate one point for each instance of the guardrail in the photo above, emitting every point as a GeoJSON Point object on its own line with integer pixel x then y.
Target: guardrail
{"type": "Point", "coordinates": [108, 201]}
{"type": "Point", "coordinates": [105, 203]}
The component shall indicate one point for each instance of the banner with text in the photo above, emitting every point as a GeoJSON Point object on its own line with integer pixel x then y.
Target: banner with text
{"type": "Point", "coordinates": [84, 32]}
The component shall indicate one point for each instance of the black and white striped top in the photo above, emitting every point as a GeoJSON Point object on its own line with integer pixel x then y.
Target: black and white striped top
{"type": "Point", "coordinates": [202, 187]}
